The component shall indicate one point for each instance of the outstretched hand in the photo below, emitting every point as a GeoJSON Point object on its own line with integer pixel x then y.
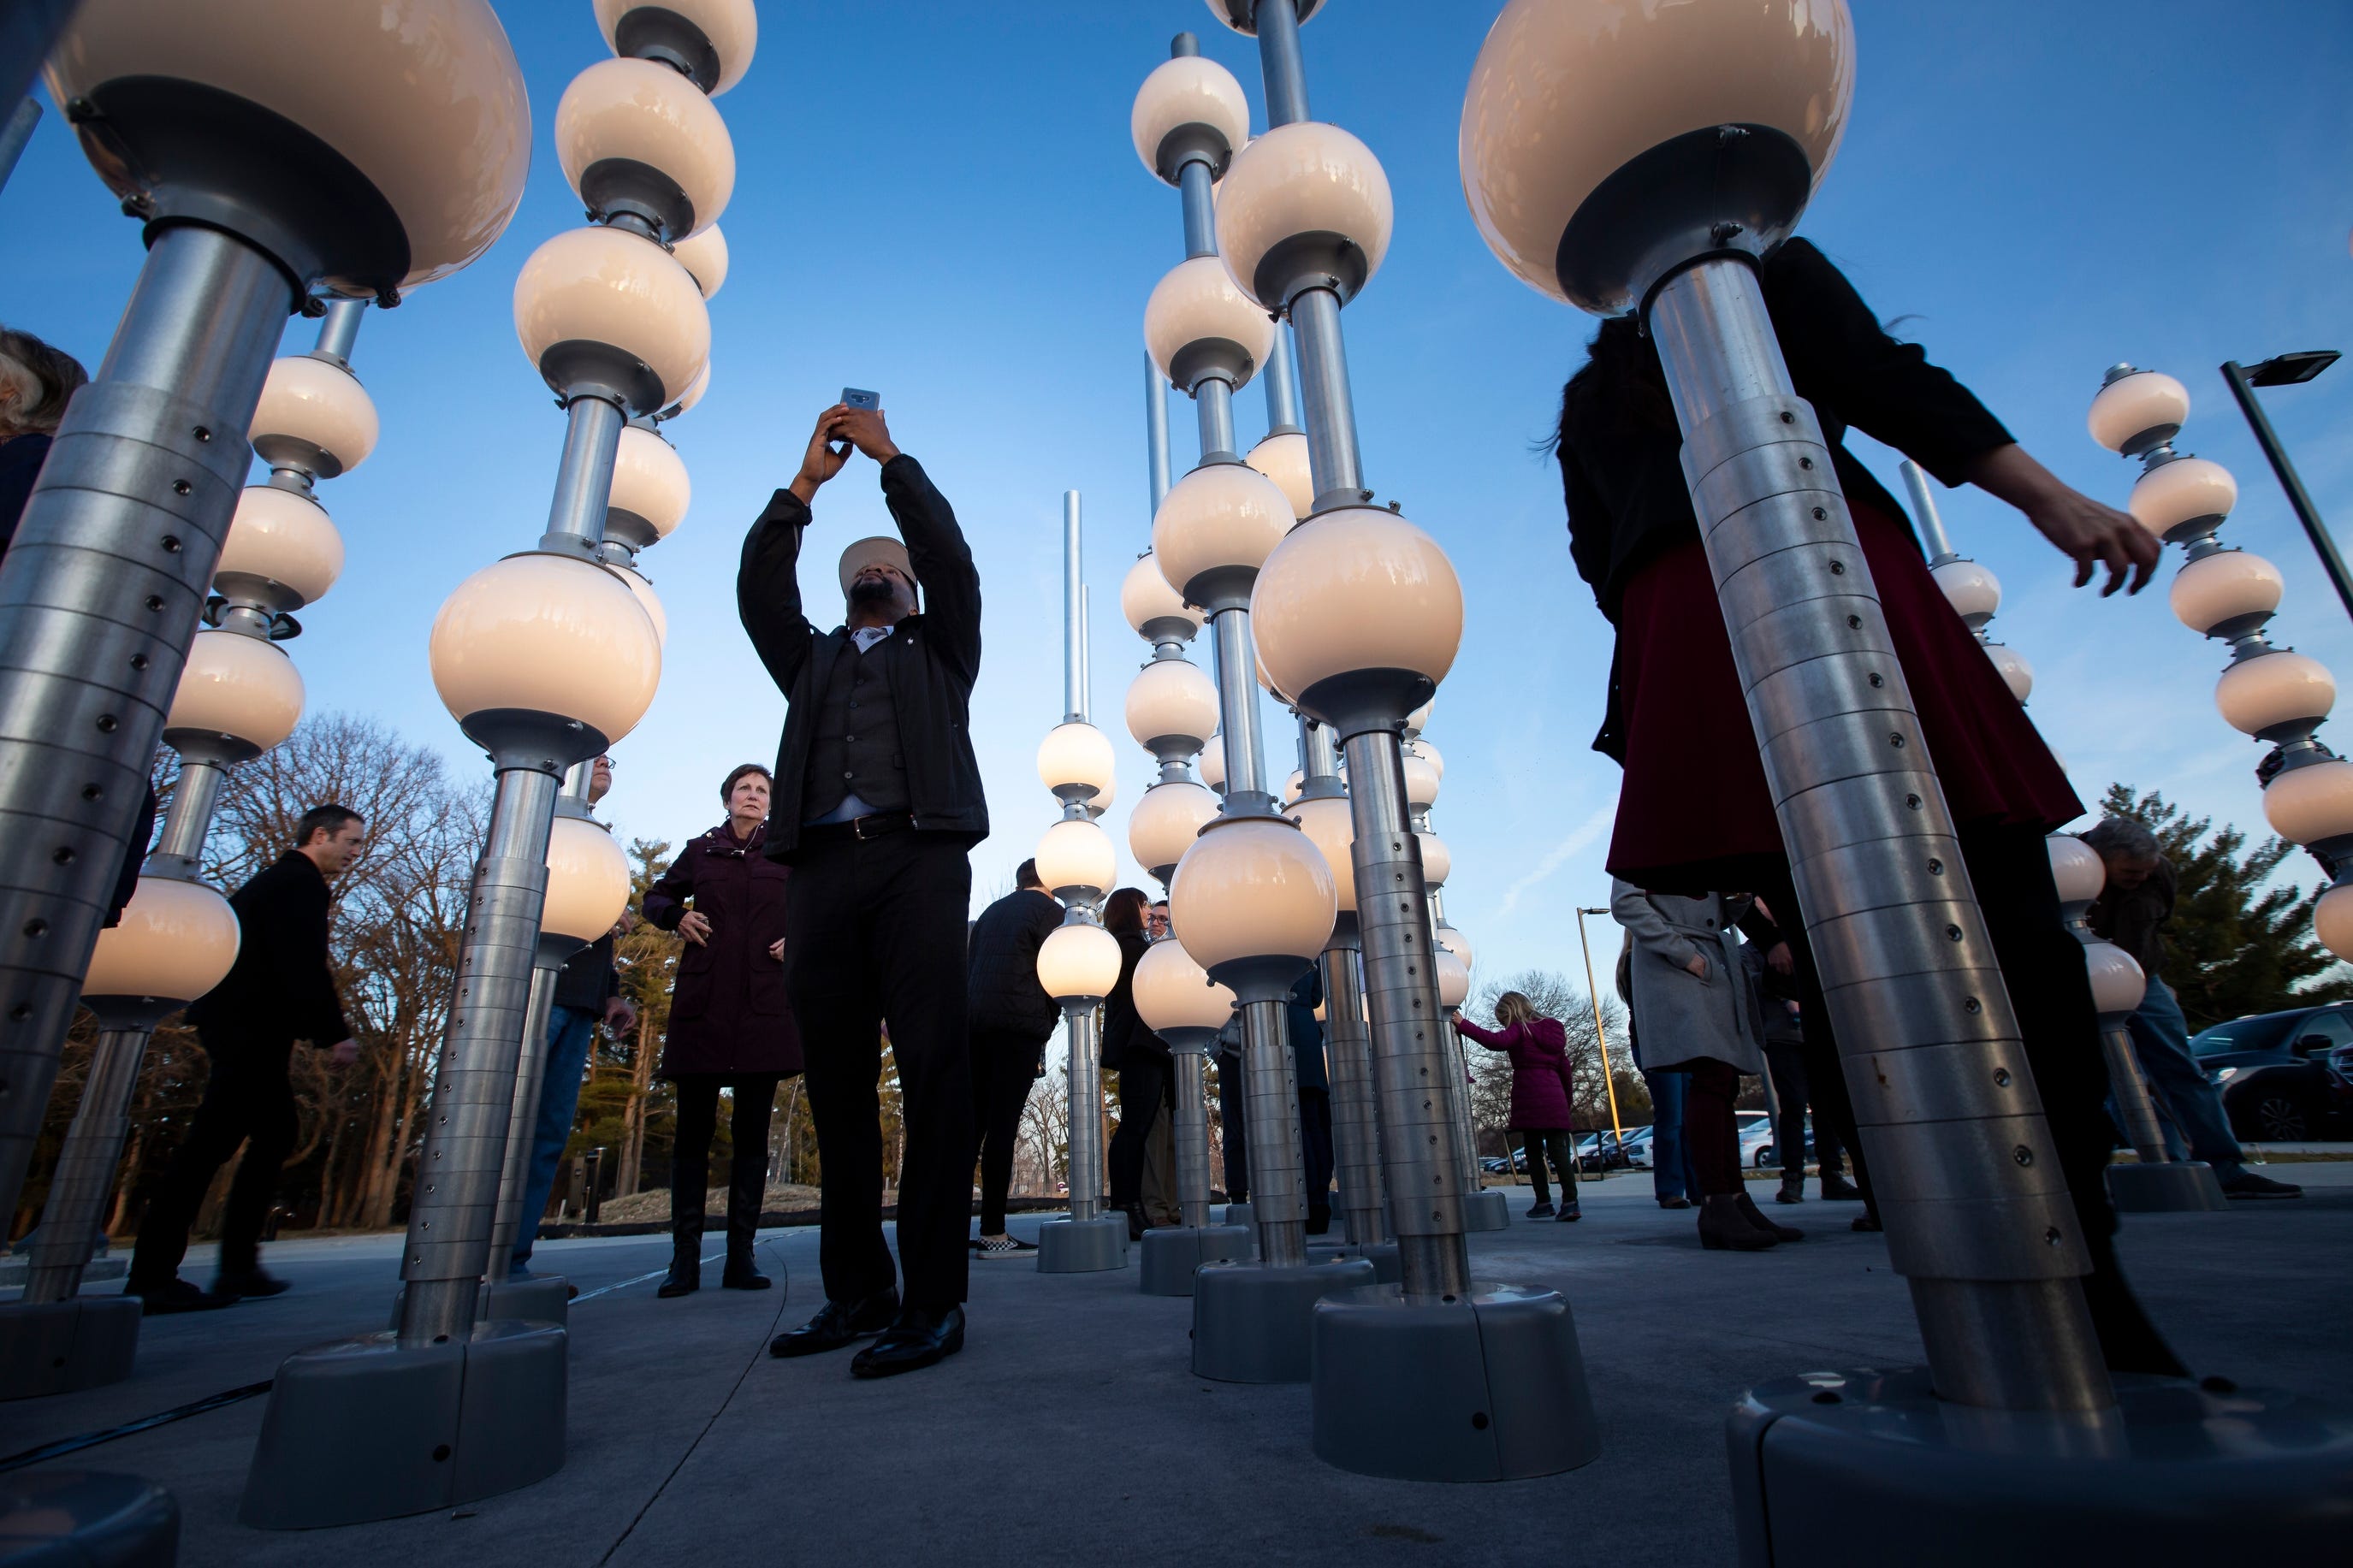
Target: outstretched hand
{"type": "Point", "coordinates": [2089, 533]}
{"type": "Point", "coordinates": [865, 429]}
{"type": "Point", "coordinates": [821, 461]}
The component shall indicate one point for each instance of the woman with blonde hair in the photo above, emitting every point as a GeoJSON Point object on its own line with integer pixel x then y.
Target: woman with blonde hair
{"type": "Point", "coordinates": [1541, 1096]}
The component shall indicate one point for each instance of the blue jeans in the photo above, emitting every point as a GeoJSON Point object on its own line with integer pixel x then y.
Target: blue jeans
{"type": "Point", "coordinates": [568, 1032]}
{"type": "Point", "coordinates": [1672, 1175]}
{"type": "Point", "coordinates": [2161, 1039]}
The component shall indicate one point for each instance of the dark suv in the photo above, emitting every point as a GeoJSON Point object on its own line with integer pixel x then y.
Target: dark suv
{"type": "Point", "coordinates": [2274, 1074]}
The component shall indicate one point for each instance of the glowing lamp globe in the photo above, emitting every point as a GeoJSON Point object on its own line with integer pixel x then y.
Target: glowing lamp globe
{"type": "Point", "coordinates": [693, 394]}
{"type": "Point", "coordinates": [1357, 615]}
{"type": "Point", "coordinates": [2332, 920]}
{"type": "Point", "coordinates": [2275, 690]}
{"type": "Point", "coordinates": [282, 550]}
{"type": "Point", "coordinates": [1304, 205]}
{"type": "Point", "coordinates": [1172, 708]}
{"type": "Point", "coordinates": [650, 489]}
{"type": "Point", "coordinates": [1187, 109]}
{"type": "Point", "coordinates": [1973, 593]}
{"type": "Point", "coordinates": [1417, 747]}
{"type": "Point", "coordinates": [1283, 458]}
{"type": "Point", "coordinates": [1420, 783]}
{"type": "Point", "coordinates": [2011, 666]}
{"type": "Point", "coordinates": [600, 309]}
{"type": "Point", "coordinates": [1453, 980]}
{"type": "Point", "coordinates": [1165, 823]}
{"type": "Point", "coordinates": [2307, 804]}
{"type": "Point", "coordinates": [1329, 826]}
{"type": "Point", "coordinates": [1590, 150]}
{"type": "Point", "coordinates": [2227, 594]}
{"type": "Point", "coordinates": [1455, 943]}
{"type": "Point", "coordinates": [647, 601]}
{"type": "Point", "coordinates": [423, 102]}
{"type": "Point", "coordinates": [587, 880]}
{"type": "Point", "coordinates": [711, 40]}
{"type": "Point", "coordinates": [1176, 997]}
{"type": "Point", "coordinates": [1214, 528]}
{"type": "Point", "coordinates": [1078, 964]}
{"type": "Point", "coordinates": [176, 942]}
{"type": "Point", "coordinates": [2138, 411]}
{"type": "Point", "coordinates": [1213, 762]}
{"type": "Point", "coordinates": [313, 416]}
{"type": "Point", "coordinates": [2186, 496]}
{"type": "Point", "coordinates": [546, 633]}
{"type": "Point", "coordinates": [1199, 326]}
{"type": "Point", "coordinates": [236, 690]}
{"type": "Point", "coordinates": [2118, 983]}
{"type": "Point", "coordinates": [1437, 860]}
{"type": "Point", "coordinates": [1075, 761]}
{"type": "Point", "coordinates": [704, 257]}
{"type": "Point", "coordinates": [1155, 611]}
{"type": "Point", "coordinates": [1252, 900]}
{"type": "Point", "coordinates": [1076, 860]}
{"type": "Point", "coordinates": [2076, 868]}
{"type": "Point", "coordinates": [1295, 786]}
{"type": "Point", "coordinates": [1419, 720]}
{"type": "Point", "coordinates": [635, 136]}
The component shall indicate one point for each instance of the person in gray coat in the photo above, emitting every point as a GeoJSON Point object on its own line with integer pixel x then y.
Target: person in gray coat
{"type": "Point", "coordinates": [1693, 1015]}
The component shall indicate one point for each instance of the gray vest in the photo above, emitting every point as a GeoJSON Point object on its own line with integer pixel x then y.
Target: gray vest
{"type": "Point", "coordinates": [856, 747]}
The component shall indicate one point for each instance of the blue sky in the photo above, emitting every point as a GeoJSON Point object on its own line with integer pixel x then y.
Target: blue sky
{"type": "Point", "coordinates": [939, 200]}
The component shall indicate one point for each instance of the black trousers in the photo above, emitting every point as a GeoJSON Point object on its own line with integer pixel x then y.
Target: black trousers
{"type": "Point", "coordinates": [1142, 1086]}
{"type": "Point", "coordinates": [1785, 1060]}
{"type": "Point", "coordinates": [247, 1099]}
{"type": "Point", "coordinates": [875, 941]}
{"type": "Point", "coordinates": [1004, 1064]}
{"type": "Point", "coordinates": [1540, 1142]}
{"type": "Point", "coordinates": [747, 1165]}
{"type": "Point", "coordinates": [2042, 968]}
{"type": "Point", "coordinates": [1233, 1127]}
{"type": "Point", "coordinates": [1315, 1146]}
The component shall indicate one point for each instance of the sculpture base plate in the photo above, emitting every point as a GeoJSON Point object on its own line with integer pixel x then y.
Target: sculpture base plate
{"type": "Point", "coordinates": [1488, 1386]}
{"type": "Point", "coordinates": [538, 1299]}
{"type": "Point", "coordinates": [58, 1347]}
{"type": "Point", "coordinates": [1082, 1246]}
{"type": "Point", "coordinates": [1489, 1208]}
{"type": "Point", "coordinates": [2177, 1186]}
{"type": "Point", "coordinates": [1251, 1321]}
{"type": "Point", "coordinates": [2178, 1472]}
{"type": "Point", "coordinates": [1387, 1268]}
{"type": "Point", "coordinates": [1246, 1216]}
{"type": "Point", "coordinates": [71, 1517]}
{"type": "Point", "coordinates": [372, 1427]}
{"type": "Point", "coordinates": [1171, 1253]}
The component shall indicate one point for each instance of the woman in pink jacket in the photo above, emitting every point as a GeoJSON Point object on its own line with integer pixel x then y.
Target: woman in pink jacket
{"type": "Point", "coordinates": [1538, 1047]}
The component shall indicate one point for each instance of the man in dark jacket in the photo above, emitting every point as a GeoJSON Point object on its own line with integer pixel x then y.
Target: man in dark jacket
{"type": "Point", "coordinates": [279, 990]}
{"type": "Point", "coordinates": [1010, 1021]}
{"type": "Point", "coordinates": [878, 800]}
{"type": "Point", "coordinates": [1314, 1095]}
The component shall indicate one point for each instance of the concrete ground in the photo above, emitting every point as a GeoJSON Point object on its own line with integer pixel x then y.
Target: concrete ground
{"type": "Point", "coordinates": [1071, 1429]}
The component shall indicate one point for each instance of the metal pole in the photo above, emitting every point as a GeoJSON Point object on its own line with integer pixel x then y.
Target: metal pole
{"type": "Point", "coordinates": [1074, 694]}
{"type": "Point", "coordinates": [28, 29]}
{"type": "Point", "coordinates": [1608, 1077]}
{"type": "Point", "coordinates": [1245, 743]}
{"type": "Point", "coordinates": [523, 1119]}
{"type": "Point", "coordinates": [1282, 390]}
{"type": "Point", "coordinates": [584, 476]}
{"type": "Point", "coordinates": [180, 848]}
{"type": "Point", "coordinates": [1156, 430]}
{"type": "Point", "coordinates": [1332, 456]}
{"type": "Point", "coordinates": [2323, 543]}
{"type": "Point", "coordinates": [1213, 409]}
{"type": "Point", "coordinates": [1280, 63]}
{"type": "Point", "coordinates": [15, 133]}
{"type": "Point", "coordinates": [1192, 1130]}
{"type": "Point", "coordinates": [1271, 1112]}
{"type": "Point", "coordinates": [84, 1178]}
{"type": "Point", "coordinates": [2142, 1130]}
{"type": "Point", "coordinates": [1931, 521]}
{"type": "Point", "coordinates": [339, 329]}
{"type": "Point", "coordinates": [99, 594]}
{"type": "Point", "coordinates": [1976, 1206]}
{"type": "Point", "coordinates": [1356, 1109]}
{"type": "Point", "coordinates": [1086, 1113]}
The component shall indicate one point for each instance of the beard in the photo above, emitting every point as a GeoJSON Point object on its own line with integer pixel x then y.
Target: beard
{"type": "Point", "coordinates": [872, 591]}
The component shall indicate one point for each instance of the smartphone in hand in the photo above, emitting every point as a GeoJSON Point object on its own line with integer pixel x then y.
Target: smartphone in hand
{"type": "Point", "coordinates": [854, 398]}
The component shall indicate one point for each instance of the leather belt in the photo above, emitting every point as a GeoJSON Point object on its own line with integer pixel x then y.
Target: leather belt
{"type": "Point", "coordinates": [857, 830]}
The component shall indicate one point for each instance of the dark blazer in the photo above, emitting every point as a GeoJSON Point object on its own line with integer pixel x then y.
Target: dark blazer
{"type": "Point", "coordinates": [1126, 1035]}
{"type": "Point", "coordinates": [1306, 1034]}
{"type": "Point", "coordinates": [1001, 967]}
{"type": "Point", "coordinates": [280, 987]}
{"type": "Point", "coordinates": [931, 658]}
{"type": "Point", "coordinates": [727, 1011]}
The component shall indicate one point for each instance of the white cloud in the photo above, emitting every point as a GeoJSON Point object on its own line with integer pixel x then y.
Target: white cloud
{"type": "Point", "coordinates": [1580, 838]}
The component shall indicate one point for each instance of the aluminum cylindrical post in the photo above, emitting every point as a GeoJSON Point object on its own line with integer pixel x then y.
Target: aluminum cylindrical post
{"type": "Point", "coordinates": [1924, 508]}
{"type": "Point", "coordinates": [1156, 430]}
{"type": "Point", "coordinates": [583, 476]}
{"type": "Point", "coordinates": [2142, 1130]}
{"type": "Point", "coordinates": [1200, 210]}
{"type": "Point", "coordinates": [1238, 721]}
{"type": "Point", "coordinates": [523, 1121]}
{"type": "Point", "coordinates": [1086, 1113]}
{"type": "Point", "coordinates": [99, 594]}
{"type": "Point", "coordinates": [84, 1178]}
{"type": "Point", "coordinates": [1282, 388]}
{"type": "Point", "coordinates": [1271, 1115]}
{"type": "Point", "coordinates": [180, 848]}
{"type": "Point", "coordinates": [1466, 1125]}
{"type": "Point", "coordinates": [17, 131]}
{"type": "Point", "coordinates": [1356, 1115]}
{"type": "Point", "coordinates": [1213, 409]}
{"type": "Point", "coordinates": [1074, 615]}
{"type": "Point", "coordinates": [1410, 1047]}
{"type": "Point", "coordinates": [1970, 1186]}
{"type": "Point", "coordinates": [1192, 1134]}
{"type": "Point", "coordinates": [340, 329]}
{"type": "Point", "coordinates": [1280, 64]}
{"type": "Point", "coordinates": [456, 1201]}
{"type": "Point", "coordinates": [1332, 456]}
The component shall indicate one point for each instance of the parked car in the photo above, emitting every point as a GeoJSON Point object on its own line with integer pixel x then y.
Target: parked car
{"type": "Point", "coordinates": [1599, 1152]}
{"type": "Point", "coordinates": [1636, 1147]}
{"type": "Point", "coordinates": [2273, 1071]}
{"type": "Point", "coordinates": [1755, 1130]}
{"type": "Point", "coordinates": [1770, 1156]}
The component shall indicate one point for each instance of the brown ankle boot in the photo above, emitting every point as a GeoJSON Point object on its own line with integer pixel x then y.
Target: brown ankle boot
{"type": "Point", "coordinates": [1723, 1226]}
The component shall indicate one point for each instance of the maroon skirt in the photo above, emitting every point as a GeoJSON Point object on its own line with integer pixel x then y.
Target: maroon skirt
{"type": "Point", "coordinates": [1694, 814]}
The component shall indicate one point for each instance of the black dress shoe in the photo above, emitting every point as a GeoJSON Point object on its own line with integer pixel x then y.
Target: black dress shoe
{"type": "Point", "coordinates": [837, 1323]}
{"type": "Point", "coordinates": [741, 1275]}
{"type": "Point", "coordinates": [237, 1284]}
{"type": "Point", "coordinates": [684, 1278]}
{"type": "Point", "coordinates": [918, 1338]}
{"type": "Point", "coordinates": [177, 1295]}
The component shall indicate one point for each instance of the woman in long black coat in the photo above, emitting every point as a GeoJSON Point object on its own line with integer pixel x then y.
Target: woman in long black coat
{"type": "Point", "coordinates": [730, 1026]}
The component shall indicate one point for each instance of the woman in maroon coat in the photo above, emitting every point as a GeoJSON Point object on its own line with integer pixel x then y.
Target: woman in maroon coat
{"type": "Point", "coordinates": [1538, 1047]}
{"type": "Point", "coordinates": [729, 1025]}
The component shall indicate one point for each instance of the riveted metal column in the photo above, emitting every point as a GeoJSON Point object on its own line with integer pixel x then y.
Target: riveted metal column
{"type": "Point", "coordinates": [1355, 1118]}
{"type": "Point", "coordinates": [1976, 1209]}
{"type": "Point", "coordinates": [1086, 1113]}
{"type": "Point", "coordinates": [523, 1117]}
{"type": "Point", "coordinates": [1271, 1111]}
{"type": "Point", "coordinates": [84, 1178]}
{"type": "Point", "coordinates": [1192, 1136]}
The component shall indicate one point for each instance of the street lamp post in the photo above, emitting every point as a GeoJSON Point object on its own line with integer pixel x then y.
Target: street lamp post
{"type": "Point", "coordinates": [2290, 369]}
{"type": "Point", "coordinates": [1600, 1032]}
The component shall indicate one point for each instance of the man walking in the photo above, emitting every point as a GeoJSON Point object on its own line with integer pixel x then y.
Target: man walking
{"type": "Point", "coordinates": [878, 800]}
{"type": "Point", "coordinates": [279, 991]}
{"type": "Point", "coordinates": [1011, 1019]}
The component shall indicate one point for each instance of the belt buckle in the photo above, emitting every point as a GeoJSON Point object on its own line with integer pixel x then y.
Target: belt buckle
{"type": "Point", "coordinates": [858, 828]}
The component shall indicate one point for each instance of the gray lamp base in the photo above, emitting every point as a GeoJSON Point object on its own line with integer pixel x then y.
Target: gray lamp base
{"type": "Point", "coordinates": [1171, 1253]}
{"type": "Point", "coordinates": [1251, 1321]}
{"type": "Point", "coordinates": [542, 1299]}
{"type": "Point", "coordinates": [67, 1519]}
{"type": "Point", "coordinates": [2178, 1187]}
{"type": "Point", "coordinates": [1487, 1209]}
{"type": "Point", "coordinates": [2179, 1472]}
{"type": "Point", "coordinates": [1484, 1388]}
{"type": "Point", "coordinates": [372, 1429]}
{"type": "Point", "coordinates": [1242, 1215]}
{"type": "Point", "coordinates": [1082, 1246]}
{"type": "Point", "coordinates": [1388, 1269]}
{"type": "Point", "coordinates": [56, 1347]}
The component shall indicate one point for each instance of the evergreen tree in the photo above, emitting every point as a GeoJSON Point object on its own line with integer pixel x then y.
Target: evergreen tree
{"type": "Point", "coordinates": [2240, 941]}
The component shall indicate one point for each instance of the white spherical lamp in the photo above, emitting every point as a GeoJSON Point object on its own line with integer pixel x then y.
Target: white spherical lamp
{"type": "Point", "coordinates": [1165, 823]}
{"type": "Point", "coordinates": [1078, 964]}
{"type": "Point", "coordinates": [2118, 982]}
{"type": "Point", "coordinates": [635, 136]}
{"type": "Point", "coordinates": [1974, 591]}
{"type": "Point", "coordinates": [1453, 980]}
{"type": "Point", "coordinates": [710, 40]}
{"type": "Point", "coordinates": [1437, 860]}
{"type": "Point", "coordinates": [2227, 594]}
{"type": "Point", "coordinates": [2138, 411]}
{"type": "Point", "coordinates": [693, 394]}
{"type": "Point", "coordinates": [1419, 720]}
{"type": "Point", "coordinates": [704, 257]}
{"type": "Point", "coordinates": [282, 550]}
{"type": "Point", "coordinates": [1214, 527]}
{"type": "Point", "coordinates": [1189, 107]}
{"type": "Point", "coordinates": [1252, 900]}
{"type": "Point", "coordinates": [587, 880]}
{"type": "Point", "coordinates": [1420, 783]}
{"type": "Point", "coordinates": [1357, 615]}
{"type": "Point", "coordinates": [1332, 829]}
{"type": "Point", "coordinates": [2282, 687]}
{"type": "Point", "coordinates": [2076, 869]}
{"type": "Point", "coordinates": [1213, 762]}
{"type": "Point", "coordinates": [1157, 611]}
{"type": "Point", "coordinates": [647, 601]}
{"type": "Point", "coordinates": [650, 489]}
{"type": "Point", "coordinates": [2332, 920]}
{"type": "Point", "coordinates": [176, 942]}
{"type": "Point", "coordinates": [1076, 860]}
{"type": "Point", "coordinates": [2307, 804]}
{"type": "Point", "coordinates": [1455, 943]}
{"type": "Point", "coordinates": [2011, 666]}
{"type": "Point", "coordinates": [1419, 747]}
{"type": "Point", "coordinates": [550, 635]}
{"type": "Point", "coordinates": [1197, 326]}
{"type": "Point", "coordinates": [1283, 458]}
{"type": "Point", "coordinates": [240, 694]}
{"type": "Point", "coordinates": [1176, 997]}
{"type": "Point", "coordinates": [1172, 708]}
{"type": "Point", "coordinates": [313, 416]}
{"type": "Point", "coordinates": [2185, 497]}
{"type": "Point", "coordinates": [1306, 203]}
{"type": "Point", "coordinates": [1075, 761]}
{"type": "Point", "coordinates": [599, 307]}
{"type": "Point", "coordinates": [1589, 146]}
